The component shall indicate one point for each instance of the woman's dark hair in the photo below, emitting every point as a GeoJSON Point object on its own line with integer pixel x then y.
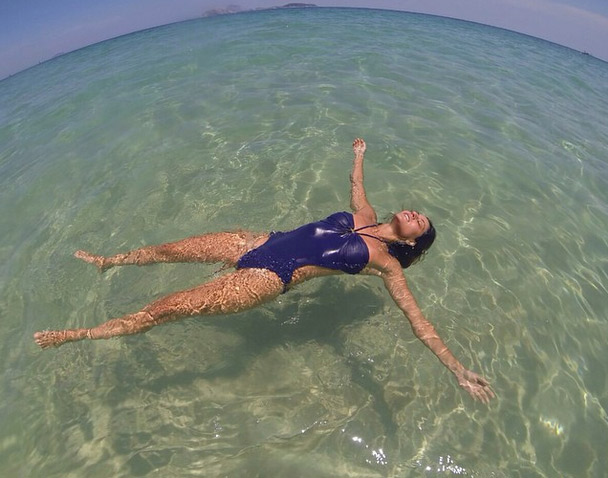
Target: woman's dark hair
{"type": "Point", "coordinates": [408, 255]}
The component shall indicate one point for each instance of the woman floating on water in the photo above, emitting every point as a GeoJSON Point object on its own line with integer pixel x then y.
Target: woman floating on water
{"type": "Point", "coordinates": [270, 264]}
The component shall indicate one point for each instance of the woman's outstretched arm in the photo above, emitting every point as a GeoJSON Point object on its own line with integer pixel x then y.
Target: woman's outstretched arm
{"type": "Point", "coordinates": [358, 198]}
{"type": "Point", "coordinates": [476, 386]}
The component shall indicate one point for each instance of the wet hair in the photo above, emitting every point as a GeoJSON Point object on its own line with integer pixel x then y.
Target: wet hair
{"type": "Point", "coordinates": [408, 255]}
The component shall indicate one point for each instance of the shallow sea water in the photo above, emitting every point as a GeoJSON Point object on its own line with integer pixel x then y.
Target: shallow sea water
{"type": "Point", "coordinates": [247, 121]}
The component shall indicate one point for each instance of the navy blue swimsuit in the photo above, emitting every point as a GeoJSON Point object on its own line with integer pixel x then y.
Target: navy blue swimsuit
{"type": "Point", "coordinates": [332, 242]}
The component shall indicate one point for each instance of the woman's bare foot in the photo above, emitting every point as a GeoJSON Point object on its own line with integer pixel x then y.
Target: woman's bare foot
{"type": "Point", "coordinates": [94, 259]}
{"type": "Point", "coordinates": [359, 146]}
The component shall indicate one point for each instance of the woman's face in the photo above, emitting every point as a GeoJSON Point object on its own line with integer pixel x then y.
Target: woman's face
{"type": "Point", "coordinates": [410, 224]}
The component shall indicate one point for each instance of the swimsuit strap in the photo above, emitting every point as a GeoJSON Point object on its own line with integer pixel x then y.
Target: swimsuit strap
{"type": "Point", "coordinates": [364, 227]}
{"type": "Point", "coordinates": [369, 235]}
{"type": "Point", "coordinates": [374, 237]}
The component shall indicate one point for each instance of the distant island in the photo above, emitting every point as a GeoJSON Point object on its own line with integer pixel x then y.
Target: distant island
{"type": "Point", "coordinates": [237, 8]}
{"type": "Point", "coordinates": [298, 5]}
{"type": "Point", "coordinates": [223, 11]}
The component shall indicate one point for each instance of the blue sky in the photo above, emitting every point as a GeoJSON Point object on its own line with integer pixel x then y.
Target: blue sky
{"type": "Point", "coordinates": [32, 31]}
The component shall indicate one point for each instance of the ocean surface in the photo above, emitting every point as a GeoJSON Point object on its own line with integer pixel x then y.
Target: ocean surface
{"type": "Point", "coordinates": [246, 121]}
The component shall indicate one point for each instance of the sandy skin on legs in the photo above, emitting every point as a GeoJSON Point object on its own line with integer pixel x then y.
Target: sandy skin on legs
{"type": "Point", "coordinates": [233, 292]}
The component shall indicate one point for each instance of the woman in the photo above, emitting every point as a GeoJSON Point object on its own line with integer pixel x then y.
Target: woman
{"type": "Point", "coordinates": [270, 264]}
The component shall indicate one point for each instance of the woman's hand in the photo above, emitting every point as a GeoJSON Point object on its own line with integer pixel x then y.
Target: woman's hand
{"type": "Point", "coordinates": [476, 386]}
{"type": "Point", "coordinates": [359, 146]}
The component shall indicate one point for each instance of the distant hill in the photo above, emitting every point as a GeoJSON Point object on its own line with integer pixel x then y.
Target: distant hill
{"type": "Point", "coordinates": [297, 5]}
{"type": "Point", "coordinates": [223, 11]}
{"type": "Point", "coordinates": [237, 8]}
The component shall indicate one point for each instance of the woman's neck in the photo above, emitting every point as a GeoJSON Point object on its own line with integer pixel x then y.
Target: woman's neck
{"type": "Point", "coordinates": [385, 232]}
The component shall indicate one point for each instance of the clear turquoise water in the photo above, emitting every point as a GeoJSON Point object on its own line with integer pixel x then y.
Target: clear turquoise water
{"type": "Point", "coordinates": [246, 121]}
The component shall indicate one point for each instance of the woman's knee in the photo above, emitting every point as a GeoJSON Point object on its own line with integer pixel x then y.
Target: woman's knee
{"type": "Point", "coordinates": [127, 325]}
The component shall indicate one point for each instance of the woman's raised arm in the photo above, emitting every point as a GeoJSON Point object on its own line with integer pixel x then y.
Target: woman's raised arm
{"type": "Point", "coordinates": [476, 386]}
{"type": "Point", "coordinates": [358, 199]}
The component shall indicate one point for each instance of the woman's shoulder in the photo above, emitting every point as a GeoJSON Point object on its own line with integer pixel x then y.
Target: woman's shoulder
{"type": "Point", "coordinates": [365, 217]}
{"type": "Point", "coordinates": [381, 259]}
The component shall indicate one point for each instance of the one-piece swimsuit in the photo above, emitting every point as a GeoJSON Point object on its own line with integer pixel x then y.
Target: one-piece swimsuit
{"type": "Point", "coordinates": [333, 243]}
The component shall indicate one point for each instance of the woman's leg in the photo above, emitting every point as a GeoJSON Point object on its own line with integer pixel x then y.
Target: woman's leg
{"type": "Point", "coordinates": [234, 292]}
{"type": "Point", "coordinates": [225, 247]}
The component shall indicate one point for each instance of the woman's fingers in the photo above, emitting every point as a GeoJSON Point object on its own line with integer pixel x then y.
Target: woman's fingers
{"type": "Point", "coordinates": [478, 387]}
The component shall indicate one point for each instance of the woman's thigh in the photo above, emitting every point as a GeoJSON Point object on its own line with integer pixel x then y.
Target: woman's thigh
{"type": "Point", "coordinates": [230, 293]}
{"type": "Point", "coordinates": [225, 247]}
